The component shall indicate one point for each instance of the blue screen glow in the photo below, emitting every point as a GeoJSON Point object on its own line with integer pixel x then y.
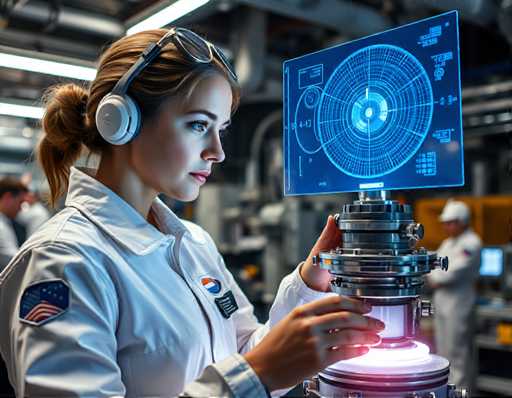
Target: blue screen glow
{"type": "Point", "coordinates": [491, 261]}
{"type": "Point", "coordinates": [382, 112]}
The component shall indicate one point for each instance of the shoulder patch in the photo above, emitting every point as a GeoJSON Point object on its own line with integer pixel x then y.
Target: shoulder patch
{"type": "Point", "coordinates": [44, 301]}
{"type": "Point", "coordinates": [211, 284]}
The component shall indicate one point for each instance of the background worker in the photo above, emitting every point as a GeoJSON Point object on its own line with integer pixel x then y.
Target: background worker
{"type": "Point", "coordinates": [12, 195]}
{"type": "Point", "coordinates": [454, 291]}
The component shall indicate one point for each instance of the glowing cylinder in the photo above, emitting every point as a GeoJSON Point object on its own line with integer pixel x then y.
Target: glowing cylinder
{"type": "Point", "coordinates": [393, 317]}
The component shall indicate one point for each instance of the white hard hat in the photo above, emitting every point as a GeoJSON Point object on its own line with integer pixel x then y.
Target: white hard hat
{"type": "Point", "coordinates": [455, 210]}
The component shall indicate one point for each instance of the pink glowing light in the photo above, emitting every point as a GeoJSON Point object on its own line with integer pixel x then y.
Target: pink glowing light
{"type": "Point", "coordinates": [381, 360]}
{"type": "Point", "coordinates": [394, 356]}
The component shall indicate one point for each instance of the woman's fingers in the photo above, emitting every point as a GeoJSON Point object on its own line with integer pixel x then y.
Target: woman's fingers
{"type": "Point", "coordinates": [346, 320]}
{"type": "Point", "coordinates": [349, 337]}
{"type": "Point", "coordinates": [334, 304]}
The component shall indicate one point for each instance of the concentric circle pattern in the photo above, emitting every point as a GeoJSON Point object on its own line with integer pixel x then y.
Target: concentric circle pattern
{"type": "Point", "coordinates": [375, 111]}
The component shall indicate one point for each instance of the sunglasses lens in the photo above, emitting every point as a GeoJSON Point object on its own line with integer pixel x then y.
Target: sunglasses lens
{"type": "Point", "coordinates": [200, 50]}
{"type": "Point", "coordinates": [194, 45]}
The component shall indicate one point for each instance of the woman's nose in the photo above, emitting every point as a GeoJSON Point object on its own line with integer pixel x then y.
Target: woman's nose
{"type": "Point", "coordinates": [214, 152]}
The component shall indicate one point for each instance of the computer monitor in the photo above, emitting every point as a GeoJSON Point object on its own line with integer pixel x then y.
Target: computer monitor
{"type": "Point", "coordinates": [491, 262]}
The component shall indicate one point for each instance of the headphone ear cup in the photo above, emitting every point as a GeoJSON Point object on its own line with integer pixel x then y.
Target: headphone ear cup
{"type": "Point", "coordinates": [117, 119]}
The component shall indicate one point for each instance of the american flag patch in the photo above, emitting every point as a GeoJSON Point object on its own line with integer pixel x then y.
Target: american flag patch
{"type": "Point", "coordinates": [44, 301]}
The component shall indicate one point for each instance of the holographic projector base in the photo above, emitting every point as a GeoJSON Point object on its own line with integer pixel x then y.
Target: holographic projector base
{"type": "Point", "coordinates": [388, 372]}
{"type": "Point", "coordinates": [377, 261]}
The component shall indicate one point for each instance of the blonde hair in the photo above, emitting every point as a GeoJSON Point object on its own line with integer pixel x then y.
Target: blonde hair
{"type": "Point", "coordinates": [69, 121]}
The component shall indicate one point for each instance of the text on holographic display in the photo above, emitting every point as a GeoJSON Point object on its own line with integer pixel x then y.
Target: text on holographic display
{"type": "Point", "coordinates": [382, 112]}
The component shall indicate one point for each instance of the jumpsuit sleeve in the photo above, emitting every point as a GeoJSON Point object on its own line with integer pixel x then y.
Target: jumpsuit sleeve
{"type": "Point", "coordinates": [74, 353]}
{"type": "Point", "coordinates": [231, 377]}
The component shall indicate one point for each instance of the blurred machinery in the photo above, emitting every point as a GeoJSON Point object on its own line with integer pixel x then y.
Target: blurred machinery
{"type": "Point", "coordinates": [493, 338]}
{"type": "Point", "coordinates": [378, 262]}
{"type": "Point", "coordinates": [495, 274]}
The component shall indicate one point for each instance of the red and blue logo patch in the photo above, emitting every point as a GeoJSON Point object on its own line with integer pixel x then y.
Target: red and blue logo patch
{"type": "Point", "coordinates": [211, 284]}
{"type": "Point", "coordinates": [44, 301]}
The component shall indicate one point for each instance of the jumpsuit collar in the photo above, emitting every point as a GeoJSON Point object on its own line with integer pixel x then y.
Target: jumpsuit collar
{"type": "Point", "coordinates": [119, 220]}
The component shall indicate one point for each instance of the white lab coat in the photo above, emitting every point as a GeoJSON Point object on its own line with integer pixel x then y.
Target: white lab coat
{"type": "Point", "coordinates": [139, 322]}
{"type": "Point", "coordinates": [8, 241]}
{"type": "Point", "coordinates": [454, 302]}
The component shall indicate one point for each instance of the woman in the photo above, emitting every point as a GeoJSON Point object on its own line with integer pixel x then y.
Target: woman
{"type": "Point", "coordinates": [117, 296]}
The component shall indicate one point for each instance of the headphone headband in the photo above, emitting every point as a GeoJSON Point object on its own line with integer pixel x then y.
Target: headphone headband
{"type": "Point", "coordinates": [118, 116]}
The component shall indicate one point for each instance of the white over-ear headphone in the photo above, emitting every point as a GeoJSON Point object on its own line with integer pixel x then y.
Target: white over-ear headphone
{"type": "Point", "coordinates": [118, 116]}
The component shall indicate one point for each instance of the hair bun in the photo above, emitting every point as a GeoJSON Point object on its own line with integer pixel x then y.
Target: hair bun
{"type": "Point", "coordinates": [64, 121]}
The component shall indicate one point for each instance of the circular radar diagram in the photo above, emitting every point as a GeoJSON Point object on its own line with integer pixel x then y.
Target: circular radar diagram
{"type": "Point", "coordinates": [374, 111]}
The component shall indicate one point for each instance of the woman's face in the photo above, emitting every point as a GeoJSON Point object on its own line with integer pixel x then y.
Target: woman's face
{"type": "Point", "coordinates": [175, 150]}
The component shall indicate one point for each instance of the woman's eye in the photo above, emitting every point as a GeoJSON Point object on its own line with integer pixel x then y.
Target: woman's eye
{"type": "Point", "coordinates": [199, 127]}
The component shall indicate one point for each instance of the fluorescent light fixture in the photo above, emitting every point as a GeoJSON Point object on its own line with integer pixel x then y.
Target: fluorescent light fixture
{"type": "Point", "coordinates": [45, 66]}
{"type": "Point", "coordinates": [32, 112]}
{"type": "Point", "coordinates": [171, 13]}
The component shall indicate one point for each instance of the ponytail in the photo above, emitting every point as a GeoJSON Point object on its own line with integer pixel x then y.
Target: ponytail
{"type": "Point", "coordinates": [66, 129]}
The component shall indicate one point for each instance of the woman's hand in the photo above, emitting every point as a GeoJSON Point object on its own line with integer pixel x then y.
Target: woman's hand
{"type": "Point", "coordinates": [312, 337]}
{"type": "Point", "coordinates": [313, 276]}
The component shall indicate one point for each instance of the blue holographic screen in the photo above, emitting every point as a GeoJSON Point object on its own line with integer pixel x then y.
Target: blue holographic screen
{"type": "Point", "coordinates": [378, 113]}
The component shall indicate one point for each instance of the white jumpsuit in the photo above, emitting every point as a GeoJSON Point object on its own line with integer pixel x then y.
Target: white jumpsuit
{"type": "Point", "coordinates": [454, 302]}
{"type": "Point", "coordinates": [98, 302]}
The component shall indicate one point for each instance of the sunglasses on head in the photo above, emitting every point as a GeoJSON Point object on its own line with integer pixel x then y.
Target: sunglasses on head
{"type": "Point", "coordinates": [196, 48]}
{"type": "Point", "coordinates": [189, 43]}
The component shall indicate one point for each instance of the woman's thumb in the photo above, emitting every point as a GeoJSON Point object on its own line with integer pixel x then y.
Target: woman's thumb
{"type": "Point", "coordinates": [330, 235]}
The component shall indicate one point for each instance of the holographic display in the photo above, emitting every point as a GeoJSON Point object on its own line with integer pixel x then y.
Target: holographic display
{"type": "Point", "coordinates": [378, 113]}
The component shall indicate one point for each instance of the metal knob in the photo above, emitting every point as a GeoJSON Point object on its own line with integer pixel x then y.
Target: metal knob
{"type": "Point", "coordinates": [427, 308]}
{"type": "Point", "coordinates": [337, 219]}
{"type": "Point", "coordinates": [415, 231]}
{"type": "Point", "coordinates": [316, 261]}
{"type": "Point", "coordinates": [442, 262]}
{"type": "Point", "coordinates": [310, 388]}
{"type": "Point", "coordinates": [453, 392]}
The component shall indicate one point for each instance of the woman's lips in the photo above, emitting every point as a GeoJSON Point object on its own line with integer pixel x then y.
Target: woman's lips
{"type": "Point", "coordinates": [200, 177]}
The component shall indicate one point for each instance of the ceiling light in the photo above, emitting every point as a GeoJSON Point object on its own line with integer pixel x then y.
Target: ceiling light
{"type": "Point", "coordinates": [32, 112]}
{"type": "Point", "coordinates": [33, 61]}
{"type": "Point", "coordinates": [164, 17]}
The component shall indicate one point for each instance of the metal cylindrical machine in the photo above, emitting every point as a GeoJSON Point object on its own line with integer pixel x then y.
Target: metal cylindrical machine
{"type": "Point", "coordinates": [378, 262]}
